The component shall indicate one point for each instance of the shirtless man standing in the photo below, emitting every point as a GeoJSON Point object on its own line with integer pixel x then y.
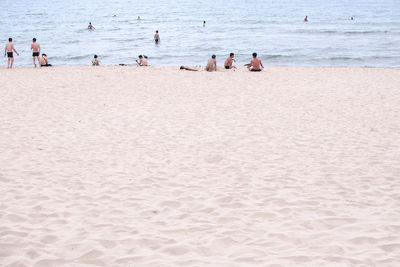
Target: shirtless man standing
{"type": "Point", "coordinates": [255, 64]}
{"type": "Point", "coordinates": [156, 37]}
{"type": "Point", "coordinates": [212, 64]}
{"type": "Point", "coordinates": [229, 61]}
{"type": "Point", "coordinates": [9, 50]}
{"type": "Point", "coordinates": [36, 51]}
{"type": "Point", "coordinates": [90, 26]}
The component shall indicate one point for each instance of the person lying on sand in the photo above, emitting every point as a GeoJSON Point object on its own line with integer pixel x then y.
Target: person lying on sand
{"type": "Point", "coordinates": [43, 61]}
{"type": "Point", "coordinates": [187, 68]}
{"type": "Point", "coordinates": [255, 64]}
{"type": "Point", "coordinates": [212, 64]}
{"type": "Point", "coordinates": [142, 61]}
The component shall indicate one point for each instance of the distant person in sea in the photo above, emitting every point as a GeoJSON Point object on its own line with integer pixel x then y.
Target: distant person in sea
{"type": "Point", "coordinates": [95, 61]}
{"type": "Point", "coordinates": [255, 64]}
{"type": "Point", "coordinates": [9, 49]}
{"type": "Point", "coordinates": [228, 62]}
{"type": "Point", "coordinates": [306, 19]}
{"type": "Point", "coordinates": [35, 47]}
{"type": "Point", "coordinates": [351, 18]}
{"type": "Point", "coordinates": [138, 18]}
{"type": "Point", "coordinates": [156, 37]}
{"type": "Point", "coordinates": [90, 26]}
{"type": "Point", "coordinates": [142, 61]}
{"type": "Point", "coordinates": [43, 61]}
{"type": "Point", "coordinates": [204, 23]}
{"type": "Point", "coordinates": [187, 68]}
{"type": "Point", "coordinates": [212, 64]}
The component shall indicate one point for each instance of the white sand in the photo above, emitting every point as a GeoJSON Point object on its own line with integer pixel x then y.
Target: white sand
{"type": "Point", "coordinates": [121, 166]}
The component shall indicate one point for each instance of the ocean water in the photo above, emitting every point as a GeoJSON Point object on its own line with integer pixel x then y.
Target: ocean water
{"type": "Point", "coordinates": [272, 28]}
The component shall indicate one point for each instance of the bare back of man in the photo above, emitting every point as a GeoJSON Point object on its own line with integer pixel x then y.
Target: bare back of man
{"type": "Point", "coordinates": [9, 49]}
{"type": "Point", "coordinates": [255, 63]}
{"type": "Point", "coordinates": [212, 64]}
{"type": "Point", "coordinates": [35, 47]}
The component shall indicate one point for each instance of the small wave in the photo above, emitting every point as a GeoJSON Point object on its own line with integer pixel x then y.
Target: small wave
{"type": "Point", "coordinates": [77, 57]}
{"type": "Point", "coordinates": [365, 32]}
{"type": "Point", "coordinates": [274, 56]}
{"type": "Point", "coordinates": [344, 58]}
{"type": "Point", "coordinates": [341, 32]}
{"type": "Point", "coordinates": [70, 42]}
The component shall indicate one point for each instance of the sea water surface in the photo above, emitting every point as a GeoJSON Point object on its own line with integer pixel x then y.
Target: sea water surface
{"type": "Point", "coordinates": [273, 28]}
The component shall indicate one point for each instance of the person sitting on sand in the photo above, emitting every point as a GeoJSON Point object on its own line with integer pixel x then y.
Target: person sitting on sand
{"type": "Point", "coordinates": [229, 61]}
{"type": "Point", "coordinates": [43, 61]}
{"type": "Point", "coordinates": [9, 49]}
{"type": "Point", "coordinates": [212, 64]}
{"type": "Point", "coordinates": [142, 61]}
{"type": "Point", "coordinates": [95, 61]}
{"type": "Point", "coordinates": [90, 26]}
{"type": "Point", "coordinates": [255, 64]}
{"type": "Point", "coordinates": [187, 68]}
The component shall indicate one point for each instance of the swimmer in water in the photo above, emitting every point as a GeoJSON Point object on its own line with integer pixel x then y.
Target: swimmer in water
{"type": "Point", "coordinates": [156, 37]}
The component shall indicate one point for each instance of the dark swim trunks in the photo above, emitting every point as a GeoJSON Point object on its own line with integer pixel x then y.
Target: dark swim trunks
{"type": "Point", "coordinates": [255, 70]}
{"type": "Point", "coordinates": [156, 40]}
{"type": "Point", "coordinates": [35, 54]}
{"type": "Point", "coordinates": [10, 54]}
{"type": "Point", "coordinates": [227, 67]}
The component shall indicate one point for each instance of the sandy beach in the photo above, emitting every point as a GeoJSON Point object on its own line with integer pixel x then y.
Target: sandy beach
{"type": "Point", "coordinates": [127, 166]}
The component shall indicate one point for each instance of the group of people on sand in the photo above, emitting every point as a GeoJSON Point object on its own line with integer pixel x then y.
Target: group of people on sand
{"type": "Point", "coordinates": [141, 62]}
{"type": "Point", "coordinates": [254, 65]}
{"type": "Point", "coordinates": [36, 50]}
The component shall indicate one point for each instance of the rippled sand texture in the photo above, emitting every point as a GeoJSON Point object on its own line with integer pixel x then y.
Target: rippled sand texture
{"type": "Point", "coordinates": [120, 166]}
